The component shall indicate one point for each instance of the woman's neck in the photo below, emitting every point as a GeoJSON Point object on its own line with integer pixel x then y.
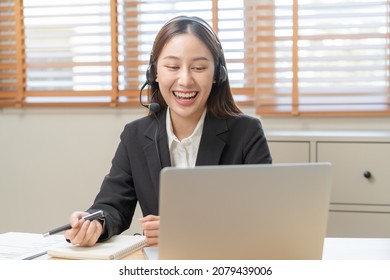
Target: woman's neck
{"type": "Point", "coordinates": [184, 127]}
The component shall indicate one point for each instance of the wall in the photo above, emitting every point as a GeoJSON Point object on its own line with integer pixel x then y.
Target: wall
{"type": "Point", "coordinates": [52, 161]}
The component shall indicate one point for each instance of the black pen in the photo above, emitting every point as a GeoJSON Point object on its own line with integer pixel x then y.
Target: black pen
{"type": "Point", "coordinates": [90, 217]}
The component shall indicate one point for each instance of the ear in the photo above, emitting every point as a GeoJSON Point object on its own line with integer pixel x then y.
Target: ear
{"type": "Point", "coordinates": [156, 80]}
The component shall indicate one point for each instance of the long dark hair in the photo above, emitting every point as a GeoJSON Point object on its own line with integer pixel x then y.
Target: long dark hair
{"type": "Point", "coordinates": [220, 102]}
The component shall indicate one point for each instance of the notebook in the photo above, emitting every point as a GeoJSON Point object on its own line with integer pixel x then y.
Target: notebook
{"type": "Point", "coordinates": [276, 211]}
{"type": "Point", "coordinates": [26, 246]}
{"type": "Point", "coordinates": [116, 247]}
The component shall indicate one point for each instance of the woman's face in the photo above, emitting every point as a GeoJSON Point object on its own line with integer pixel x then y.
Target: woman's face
{"type": "Point", "coordinates": [185, 73]}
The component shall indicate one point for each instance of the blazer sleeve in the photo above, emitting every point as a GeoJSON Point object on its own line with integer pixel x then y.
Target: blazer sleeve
{"type": "Point", "coordinates": [117, 197]}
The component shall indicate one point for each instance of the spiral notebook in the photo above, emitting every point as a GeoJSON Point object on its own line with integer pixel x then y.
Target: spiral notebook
{"type": "Point", "coordinates": [115, 248]}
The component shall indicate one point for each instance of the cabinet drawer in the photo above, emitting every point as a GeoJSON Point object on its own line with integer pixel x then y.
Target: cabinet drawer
{"type": "Point", "coordinates": [350, 162]}
{"type": "Point", "coordinates": [288, 152]}
{"type": "Point", "coordinates": [355, 224]}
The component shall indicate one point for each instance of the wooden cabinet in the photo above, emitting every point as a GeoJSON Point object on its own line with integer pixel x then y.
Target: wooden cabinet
{"type": "Point", "coordinates": [360, 200]}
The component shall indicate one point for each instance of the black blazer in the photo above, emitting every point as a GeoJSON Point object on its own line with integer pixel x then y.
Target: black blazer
{"type": "Point", "coordinates": [134, 175]}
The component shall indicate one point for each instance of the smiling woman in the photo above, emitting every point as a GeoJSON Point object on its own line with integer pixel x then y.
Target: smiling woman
{"type": "Point", "coordinates": [198, 124]}
{"type": "Point", "coordinates": [185, 81]}
{"type": "Point", "coordinates": [283, 57]}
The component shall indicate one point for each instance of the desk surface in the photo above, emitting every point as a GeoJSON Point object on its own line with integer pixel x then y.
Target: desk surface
{"type": "Point", "coordinates": [356, 249]}
{"type": "Point", "coordinates": [334, 248]}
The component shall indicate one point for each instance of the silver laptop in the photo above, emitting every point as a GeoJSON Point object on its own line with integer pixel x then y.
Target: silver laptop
{"type": "Point", "coordinates": [277, 211]}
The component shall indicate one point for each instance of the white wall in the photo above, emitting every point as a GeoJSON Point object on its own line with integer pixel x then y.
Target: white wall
{"type": "Point", "coordinates": [52, 161]}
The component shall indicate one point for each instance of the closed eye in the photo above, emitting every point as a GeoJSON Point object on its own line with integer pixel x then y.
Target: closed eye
{"type": "Point", "coordinates": [199, 69]}
{"type": "Point", "coordinates": [172, 67]}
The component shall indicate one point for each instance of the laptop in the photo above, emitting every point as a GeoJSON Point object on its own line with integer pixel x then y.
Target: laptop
{"type": "Point", "coordinates": [272, 211]}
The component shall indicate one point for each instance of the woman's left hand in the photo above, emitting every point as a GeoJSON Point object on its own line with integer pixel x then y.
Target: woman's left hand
{"type": "Point", "coordinates": [151, 228]}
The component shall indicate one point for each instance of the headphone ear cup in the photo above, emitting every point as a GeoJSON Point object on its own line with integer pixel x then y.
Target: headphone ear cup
{"type": "Point", "coordinates": [222, 74]}
{"type": "Point", "coordinates": [148, 75]}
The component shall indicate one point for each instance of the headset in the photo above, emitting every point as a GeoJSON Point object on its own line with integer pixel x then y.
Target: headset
{"type": "Point", "coordinates": [220, 69]}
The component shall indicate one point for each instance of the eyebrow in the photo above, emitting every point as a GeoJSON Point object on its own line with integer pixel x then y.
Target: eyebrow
{"type": "Point", "coordinates": [177, 58]}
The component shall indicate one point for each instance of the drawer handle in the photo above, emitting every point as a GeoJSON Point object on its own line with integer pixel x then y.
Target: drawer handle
{"type": "Point", "coordinates": [367, 174]}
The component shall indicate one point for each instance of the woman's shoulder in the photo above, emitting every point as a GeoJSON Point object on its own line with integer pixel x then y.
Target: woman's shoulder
{"type": "Point", "coordinates": [147, 120]}
{"type": "Point", "coordinates": [138, 126]}
{"type": "Point", "coordinates": [244, 118]}
{"type": "Point", "coordinates": [140, 122]}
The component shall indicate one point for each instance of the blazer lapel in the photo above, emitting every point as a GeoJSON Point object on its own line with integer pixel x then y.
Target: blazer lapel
{"type": "Point", "coordinates": [156, 158]}
{"type": "Point", "coordinates": [211, 146]}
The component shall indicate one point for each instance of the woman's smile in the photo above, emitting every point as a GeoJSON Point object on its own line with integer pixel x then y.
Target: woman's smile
{"type": "Point", "coordinates": [185, 94]}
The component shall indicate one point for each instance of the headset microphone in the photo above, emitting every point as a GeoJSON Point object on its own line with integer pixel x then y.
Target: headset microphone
{"type": "Point", "coordinates": [153, 107]}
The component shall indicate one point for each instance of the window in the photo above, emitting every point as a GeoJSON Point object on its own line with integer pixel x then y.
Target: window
{"type": "Point", "coordinates": [315, 57]}
{"type": "Point", "coordinates": [322, 57]}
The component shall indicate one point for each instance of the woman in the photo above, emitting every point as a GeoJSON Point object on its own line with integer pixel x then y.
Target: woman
{"type": "Point", "coordinates": [196, 122]}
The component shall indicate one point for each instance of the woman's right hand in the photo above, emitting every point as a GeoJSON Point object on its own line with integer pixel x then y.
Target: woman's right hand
{"type": "Point", "coordinates": [83, 233]}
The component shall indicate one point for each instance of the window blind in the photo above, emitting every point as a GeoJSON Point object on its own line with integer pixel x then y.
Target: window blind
{"type": "Point", "coordinates": [68, 51]}
{"type": "Point", "coordinates": [12, 74]}
{"type": "Point", "coordinates": [324, 57]}
{"type": "Point", "coordinates": [307, 57]}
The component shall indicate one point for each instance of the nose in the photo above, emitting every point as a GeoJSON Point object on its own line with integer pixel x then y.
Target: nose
{"type": "Point", "coordinates": [185, 77]}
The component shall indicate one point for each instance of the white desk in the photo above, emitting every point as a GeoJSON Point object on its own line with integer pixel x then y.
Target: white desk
{"type": "Point", "coordinates": [334, 248]}
{"type": "Point", "coordinates": [345, 249]}
{"type": "Point", "coordinates": [356, 249]}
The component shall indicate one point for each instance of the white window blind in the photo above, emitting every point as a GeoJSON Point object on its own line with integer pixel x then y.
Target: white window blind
{"type": "Point", "coordinates": [306, 57]}
{"type": "Point", "coordinates": [68, 50]}
{"type": "Point", "coordinates": [324, 57]}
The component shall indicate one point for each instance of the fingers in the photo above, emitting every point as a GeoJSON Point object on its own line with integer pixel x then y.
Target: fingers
{"type": "Point", "coordinates": [150, 226]}
{"type": "Point", "coordinates": [83, 233]}
{"type": "Point", "coordinates": [151, 241]}
{"type": "Point", "coordinates": [149, 218]}
{"type": "Point", "coordinates": [75, 218]}
{"type": "Point", "coordinates": [89, 233]}
{"type": "Point", "coordinates": [75, 222]}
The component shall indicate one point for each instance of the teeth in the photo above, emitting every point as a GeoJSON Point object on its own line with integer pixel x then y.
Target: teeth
{"type": "Point", "coordinates": [184, 95]}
